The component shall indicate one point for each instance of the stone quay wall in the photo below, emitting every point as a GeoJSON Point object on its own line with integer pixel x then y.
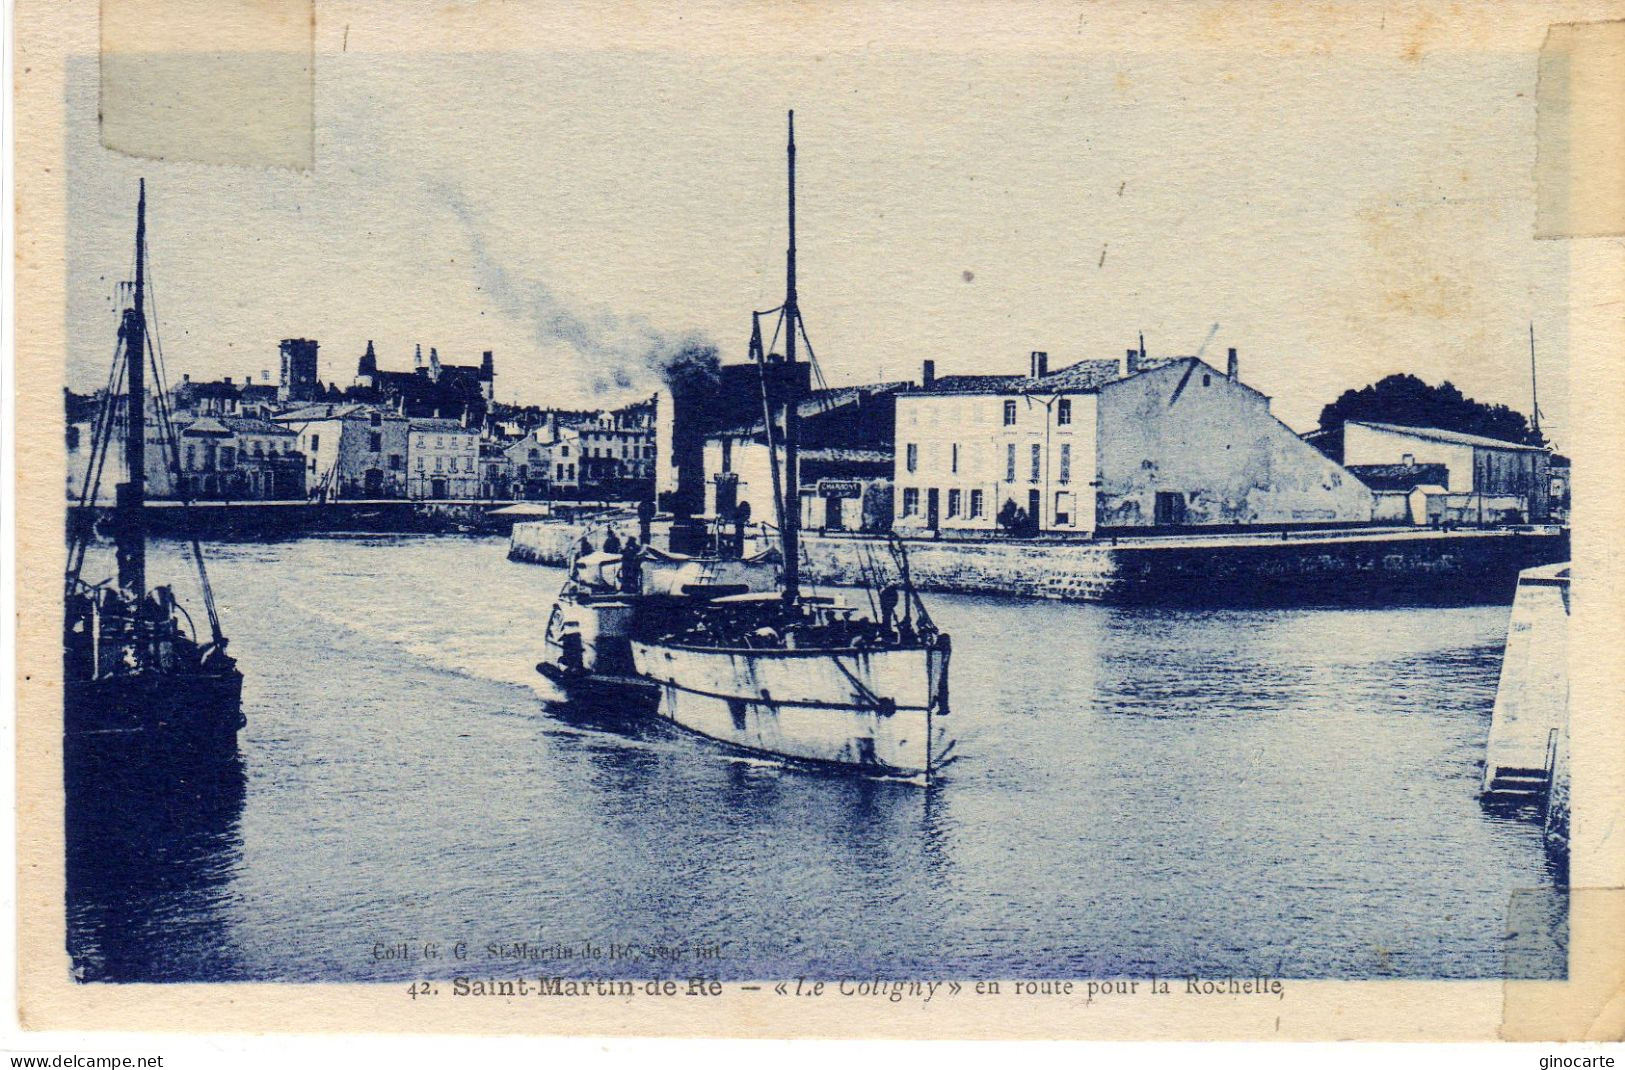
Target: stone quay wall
{"type": "Point", "coordinates": [1334, 568]}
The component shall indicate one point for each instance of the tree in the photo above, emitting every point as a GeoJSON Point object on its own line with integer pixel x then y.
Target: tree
{"type": "Point", "coordinates": [1408, 401]}
{"type": "Point", "coordinates": [1015, 521]}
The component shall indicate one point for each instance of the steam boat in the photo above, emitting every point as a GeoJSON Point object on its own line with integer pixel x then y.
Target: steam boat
{"type": "Point", "coordinates": [140, 684]}
{"type": "Point", "coordinates": [738, 652]}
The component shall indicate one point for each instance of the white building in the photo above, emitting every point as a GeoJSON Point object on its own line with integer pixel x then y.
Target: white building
{"type": "Point", "coordinates": [443, 460]}
{"type": "Point", "coordinates": [1103, 445]}
{"type": "Point", "coordinates": [1487, 468]}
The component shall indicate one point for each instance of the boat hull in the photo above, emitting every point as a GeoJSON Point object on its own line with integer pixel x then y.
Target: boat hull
{"type": "Point", "coordinates": [877, 712]}
{"type": "Point", "coordinates": [153, 716]}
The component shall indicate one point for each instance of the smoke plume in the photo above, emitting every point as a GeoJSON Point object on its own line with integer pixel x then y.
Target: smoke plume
{"type": "Point", "coordinates": [624, 353]}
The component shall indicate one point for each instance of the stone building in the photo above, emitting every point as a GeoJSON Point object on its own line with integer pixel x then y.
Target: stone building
{"type": "Point", "coordinates": [430, 389]}
{"type": "Point", "coordinates": [238, 458]}
{"type": "Point", "coordinates": [351, 450]}
{"type": "Point", "coordinates": [442, 460]}
{"type": "Point", "coordinates": [1104, 446]}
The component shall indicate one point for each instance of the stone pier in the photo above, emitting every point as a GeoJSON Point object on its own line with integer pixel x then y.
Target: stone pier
{"type": "Point", "coordinates": [1396, 566]}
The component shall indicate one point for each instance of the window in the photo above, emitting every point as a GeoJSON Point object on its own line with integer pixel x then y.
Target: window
{"type": "Point", "coordinates": [1207, 380]}
{"type": "Point", "coordinates": [420, 462]}
{"type": "Point", "coordinates": [395, 462]}
{"type": "Point", "coordinates": [954, 459]}
{"type": "Point", "coordinates": [1038, 460]}
{"type": "Point", "coordinates": [1010, 462]}
{"type": "Point", "coordinates": [975, 503]}
{"type": "Point", "coordinates": [953, 503]}
{"type": "Point", "coordinates": [561, 472]}
{"type": "Point", "coordinates": [259, 448]}
{"type": "Point", "coordinates": [423, 440]}
{"type": "Point", "coordinates": [1063, 412]}
{"type": "Point", "coordinates": [1063, 509]}
{"type": "Point", "coordinates": [228, 457]}
{"type": "Point", "coordinates": [315, 443]}
{"type": "Point", "coordinates": [911, 501]}
{"type": "Point", "coordinates": [439, 463]}
{"type": "Point", "coordinates": [1009, 414]}
{"type": "Point", "coordinates": [440, 442]}
{"type": "Point", "coordinates": [564, 451]}
{"type": "Point", "coordinates": [1066, 462]}
{"type": "Point", "coordinates": [375, 442]}
{"type": "Point", "coordinates": [191, 455]}
{"type": "Point", "coordinates": [913, 456]}
{"type": "Point", "coordinates": [375, 419]}
{"type": "Point", "coordinates": [727, 455]}
{"type": "Point", "coordinates": [535, 455]}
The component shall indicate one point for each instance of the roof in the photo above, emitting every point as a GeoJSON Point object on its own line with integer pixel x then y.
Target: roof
{"type": "Point", "coordinates": [819, 402]}
{"type": "Point", "coordinates": [441, 425]}
{"type": "Point", "coordinates": [1454, 438]}
{"type": "Point", "coordinates": [1399, 476]}
{"type": "Point", "coordinates": [1085, 376]}
{"type": "Point", "coordinates": [850, 456]}
{"type": "Point", "coordinates": [206, 425]}
{"type": "Point", "coordinates": [249, 425]}
{"type": "Point", "coordinates": [340, 411]}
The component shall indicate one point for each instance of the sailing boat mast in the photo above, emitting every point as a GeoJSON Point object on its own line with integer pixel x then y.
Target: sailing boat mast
{"type": "Point", "coordinates": [791, 523]}
{"type": "Point", "coordinates": [1534, 383]}
{"type": "Point", "coordinates": [131, 495]}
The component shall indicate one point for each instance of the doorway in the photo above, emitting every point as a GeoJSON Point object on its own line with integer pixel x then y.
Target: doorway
{"type": "Point", "coordinates": [933, 508]}
{"type": "Point", "coordinates": [1170, 508]}
{"type": "Point", "coordinates": [437, 489]}
{"type": "Point", "coordinates": [832, 514]}
{"type": "Point", "coordinates": [374, 482]}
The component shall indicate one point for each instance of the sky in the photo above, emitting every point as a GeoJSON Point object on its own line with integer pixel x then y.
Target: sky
{"type": "Point", "coordinates": [1334, 218]}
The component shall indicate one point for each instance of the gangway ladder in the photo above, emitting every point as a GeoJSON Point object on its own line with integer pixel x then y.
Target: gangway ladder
{"type": "Point", "coordinates": [1518, 787]}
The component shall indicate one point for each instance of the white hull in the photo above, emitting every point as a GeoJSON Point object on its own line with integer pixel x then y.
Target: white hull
{"type": "Point", "coordinates": [877, 711]}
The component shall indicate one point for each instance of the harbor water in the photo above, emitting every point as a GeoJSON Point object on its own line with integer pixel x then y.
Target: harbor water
{"type": "Point", "coordinates": [1139, 792]}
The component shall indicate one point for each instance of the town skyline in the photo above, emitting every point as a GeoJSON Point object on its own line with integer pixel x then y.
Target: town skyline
{"type": "Point", "coordinates": [922, 237]}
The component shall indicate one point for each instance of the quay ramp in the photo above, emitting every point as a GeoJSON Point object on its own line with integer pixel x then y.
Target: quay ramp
{"type": "Point", "coordinates": [1526, 757]}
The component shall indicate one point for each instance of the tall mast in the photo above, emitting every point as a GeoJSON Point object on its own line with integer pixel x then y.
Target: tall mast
{"type": "Point", "coordinates": [791, 524]}
{"type": "Point", "coordinates": [1534, 385]}
{"type": "Point", "coordinates": [131, 496]}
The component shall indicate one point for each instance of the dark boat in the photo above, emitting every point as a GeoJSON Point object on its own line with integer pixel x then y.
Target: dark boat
{"type": "Point", "coordinates": [140, 683]}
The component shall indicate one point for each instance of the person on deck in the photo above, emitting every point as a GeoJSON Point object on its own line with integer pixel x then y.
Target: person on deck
{"type": "Point", "coordinates": [612, 542]}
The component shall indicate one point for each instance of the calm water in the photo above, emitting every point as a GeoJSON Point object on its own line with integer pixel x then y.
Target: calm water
{"type": "Point", "coordinates": [1195, 792]}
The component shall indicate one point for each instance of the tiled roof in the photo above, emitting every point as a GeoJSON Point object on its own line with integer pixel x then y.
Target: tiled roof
{"type": "Point", "coordinates": [248, 425]}
{"type": "Point", "coordinates": [1082, 377]}
{"type": "Point", "coordinates": [851, 456]}
{"type": "Point", "coordinates": [821, 401]}
{"type": "Point", "coordinates": [439, 425]}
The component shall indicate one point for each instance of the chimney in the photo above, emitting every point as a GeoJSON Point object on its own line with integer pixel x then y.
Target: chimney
{"type": "Point", "coordinates": [1233, 368]}
{"type": "Point", "coordinates": [228, 380]}
{"type": "Point", "coordinates": [928, 374]}
{"type": "Point", "coordinates": [1040, 364]}
{"type": "Point", "coordinates": [1132, 362]}
{"type": "Point", "coordinates": [265, 375]}
{"type": "Point", "coordinates": [186, 377]}
{"type": "Point", "coordinates": [417, 357]}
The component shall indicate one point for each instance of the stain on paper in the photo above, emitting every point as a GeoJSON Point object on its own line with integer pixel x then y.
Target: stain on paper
{"type": "Point", "coordinates": [1580, 131]}
{"type": "Point", "coordinates": [210, 81]}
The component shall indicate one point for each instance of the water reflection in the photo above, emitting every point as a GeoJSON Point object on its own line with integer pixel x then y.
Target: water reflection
{"type": "Point", "coordinates": [149, 841]}
{"type": "Point", "coordinates": [1169, 791]}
